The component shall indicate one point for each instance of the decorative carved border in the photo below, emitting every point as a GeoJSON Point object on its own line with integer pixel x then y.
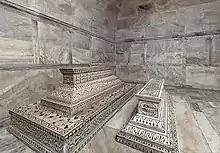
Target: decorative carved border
{"type": "Point", "coordinates": [69, 144]}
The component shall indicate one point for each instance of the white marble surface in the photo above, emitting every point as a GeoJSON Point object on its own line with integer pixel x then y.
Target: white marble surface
{"type": "Point", "coordinates": [189, 135]}
{"type": "Point", "coordinates": [182, 61]}
{"type": "Point", "coordinates": [209, 133]}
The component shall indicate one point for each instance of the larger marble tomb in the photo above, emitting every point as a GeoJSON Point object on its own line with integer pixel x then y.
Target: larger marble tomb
{"type": "Point", "coordinates": [65, 120]}
{"type": "Point", "coordinates": [151, 126]}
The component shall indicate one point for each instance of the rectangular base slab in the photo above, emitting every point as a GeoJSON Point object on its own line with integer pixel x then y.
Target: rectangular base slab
{"type": "Point", "coordinates": [72, 142]}
{"type": "Point", "coordinates": [149, 141]}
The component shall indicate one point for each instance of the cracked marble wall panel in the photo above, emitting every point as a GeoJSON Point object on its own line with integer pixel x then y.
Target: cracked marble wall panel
{"type": "Point", "coordinates": [14, 51]}
{"type": "Point", "coordinates": [99, 45]}
{"type": "Point", "coordinates": [173, 75]}
{"type": "Point", "coordinates": [55, 44]}
{"type": "Point", "coordinates": [81, 41]}
{"type": "Point", "coordinates": [132, 72]}
{"type": "Point", "coordinates": [165, 51]}
{"type": "Point", "coordinates": [62, 10]}
{"type": "Point", "coordinates": [81, 56]}
{"type": "Point", "coordinates": [197, 52]}
{"type": "Point", "coordinates": [15, 26]}
{"type": "Point", "coordinates": [203, 77]}
{"type": "Point", "coordinates": [102, 57]}
{"type": "Point", "coordinates": [216, 51]}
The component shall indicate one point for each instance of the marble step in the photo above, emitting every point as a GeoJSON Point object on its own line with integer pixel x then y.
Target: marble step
{"type": "Point", "coordinates": [76, 106]}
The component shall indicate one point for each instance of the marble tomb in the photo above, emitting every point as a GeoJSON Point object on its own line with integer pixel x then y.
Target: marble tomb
{"type": "Point", "coordinates": [65, 120]}
{"type": "Point", "coordinates": [151, 127]}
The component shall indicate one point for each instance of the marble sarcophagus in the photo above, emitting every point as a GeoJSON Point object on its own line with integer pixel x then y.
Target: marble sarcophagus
{"type": "Point", "coordinates": [151, 126]}
{"type": "Point", "coordinates": [65, 120]}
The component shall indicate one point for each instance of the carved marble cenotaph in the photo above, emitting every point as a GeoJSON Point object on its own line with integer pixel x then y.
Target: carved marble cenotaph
{"type": "Point", "coordinates": [65, 120]}
{"type": "Point", "coordinates": [151, 127]}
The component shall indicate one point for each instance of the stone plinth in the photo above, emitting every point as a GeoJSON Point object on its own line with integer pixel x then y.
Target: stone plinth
{"type": "Point", "coordinates": [151, 127]}
{"type": "Point", "coordinates": [65, 120]}
{"type": "Point", "coordinates": [83, 74]}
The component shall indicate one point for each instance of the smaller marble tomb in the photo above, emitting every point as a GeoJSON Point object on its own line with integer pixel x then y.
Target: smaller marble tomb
{"type": "Point", "coordinates": [151, 127]}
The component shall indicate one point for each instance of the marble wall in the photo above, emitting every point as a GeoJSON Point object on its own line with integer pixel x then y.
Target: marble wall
{"type": "Point", "coordinates": [15, 39]}
{"type": "Point", "coordinates": [180, 45]}
{"type": "Point", "coordinates": [131, 8]}
{"type": "Point", "coordinates": [57, 29]}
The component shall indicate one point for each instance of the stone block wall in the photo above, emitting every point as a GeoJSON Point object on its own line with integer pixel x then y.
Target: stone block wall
{"type": "Point", "coordinates": [49, 32]}
{"type": "Point", "coordinates": [177, 43]}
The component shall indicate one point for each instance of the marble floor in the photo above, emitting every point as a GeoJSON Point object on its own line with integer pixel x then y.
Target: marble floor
{"type": "Point", "coordinates": [197, 120]}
